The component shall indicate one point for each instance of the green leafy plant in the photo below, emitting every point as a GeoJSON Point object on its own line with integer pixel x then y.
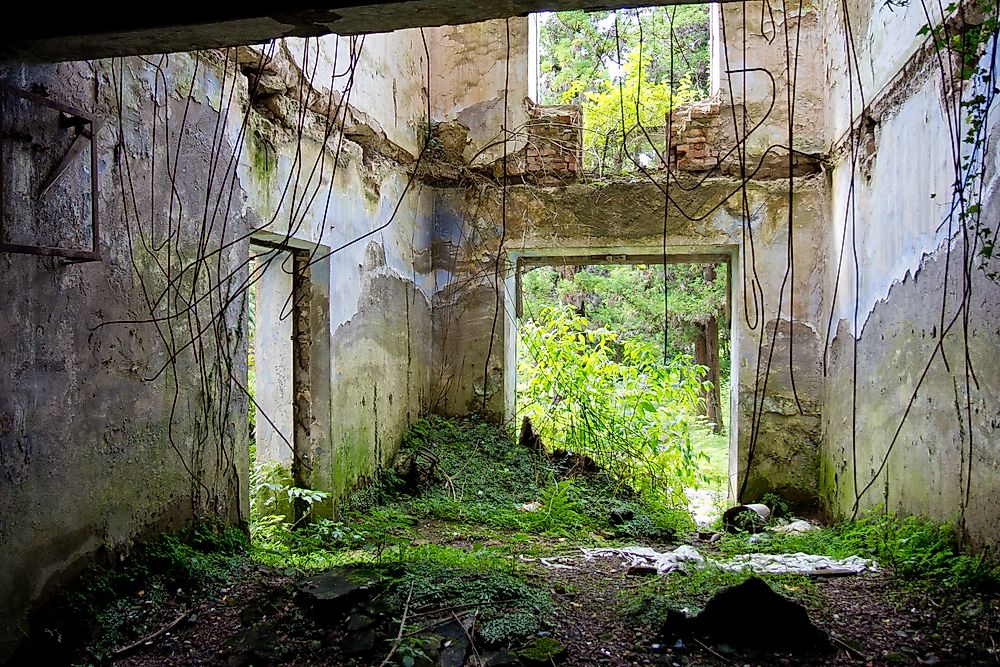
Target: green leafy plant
{"type": "Point", "coordinates": [618, 66]}
{"type": "Point", "coordinates": [633, 417]}
{"type": "Point", "coordinates": [557, 515]}
{"type": "Point", "coordinates": [916, 548]}
{"type": "Point", "coordinates": [620, 115]}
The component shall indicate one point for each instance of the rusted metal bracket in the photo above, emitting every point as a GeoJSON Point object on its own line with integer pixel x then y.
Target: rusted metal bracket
{"type": "Point", "coordinates": [86, 132]}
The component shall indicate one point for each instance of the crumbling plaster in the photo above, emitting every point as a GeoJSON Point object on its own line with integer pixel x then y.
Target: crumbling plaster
{"type": "Point", "coordinates": [891, 199]}
{"type": "Point", "coordinates": [627, 219]}
{"type": "Point", "coordinates": [96, 447]}
{"type": "Point", "coordinates": [472, 82]}
{"type": "Point", "coordinates": [86, 473]}
{"type": "Point", "coordinates": [420, 308]}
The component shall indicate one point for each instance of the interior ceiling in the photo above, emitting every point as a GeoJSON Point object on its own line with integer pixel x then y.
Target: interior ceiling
{"type": "Point", "coordinates": [42, 34]}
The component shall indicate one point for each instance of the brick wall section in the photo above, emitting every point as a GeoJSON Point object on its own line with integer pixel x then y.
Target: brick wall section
{"type": "Point", "coordinates": [695, 136]}
{"type": "Point", "coordinates": [554, 154]}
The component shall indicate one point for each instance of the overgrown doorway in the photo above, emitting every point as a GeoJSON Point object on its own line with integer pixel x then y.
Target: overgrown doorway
{"type": "Point", "coordinates": [628, 362]}
{"type": "Point", "coordinates": [289, 375]}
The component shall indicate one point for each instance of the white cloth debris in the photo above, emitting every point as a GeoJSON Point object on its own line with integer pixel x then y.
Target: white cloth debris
{"type": "Point", "coordinates": [663, 562]}
{"type": "Point", "coordinates": [795, 527]}
{"type": "Point", "coordinates": [797, 563]}
{"type": "Point", "coordinates": [550, 563]}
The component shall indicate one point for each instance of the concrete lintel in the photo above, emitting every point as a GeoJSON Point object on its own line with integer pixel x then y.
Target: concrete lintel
{"type": "Point", "coordinates": [620, 258]}
{"type": "Point", "coordinates": [41, 35]}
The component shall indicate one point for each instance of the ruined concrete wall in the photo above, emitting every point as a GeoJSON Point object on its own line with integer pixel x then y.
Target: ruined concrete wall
{"type": "Point", "coordinates": [110, 428]}
{"type": "Point", "coordinates": [627, 219]}
{"type": "Point", "coordinates": [98, 448]}
{"type": "Point", "coordinates": [895, 315]}
{"type": "Point", "coordinates": [741, 132]}
{"type": "Point", "coordinates": [374, 230]}
{"type": "Point", "coordinates": [472, 78]}
{"type": "Point", "coordinates": [770, 72]}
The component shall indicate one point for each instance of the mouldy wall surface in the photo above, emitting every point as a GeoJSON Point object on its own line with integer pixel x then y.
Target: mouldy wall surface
{"type": "Point", "coordinates": [94, 455]}
{"type": "Point", "coordinates": [756, 37]}
{"type": "Point", "coordinates": [469, 74]}
{"type": "Point", "coordinates": [377, 225]}
{"type": "Point", "coordinates": [942, 464]}
{"type": "Point", "coordinates": [623, 218]}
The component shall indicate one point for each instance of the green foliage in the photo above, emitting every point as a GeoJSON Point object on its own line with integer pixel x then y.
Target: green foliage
{"type": "Point", "coordinates": [624, 69]}
{"type": "Point", "coordinates": [622, 116]}
{"type": "Point", "coordinates": [121, 600]}
{"type": "Point", "coordinates": [557, 515]}
{"type": "Point", "coordinates": [915, 548]}
{"type": "Point", "coordinates": [576, 47]}
{"type": "Point", "coordinates": [483, 478]}
{"type": "Point", "coordinates": [445, 577]}
{"type": "Point", "coordinates": [279, 539]}
{"type": "Point", "coordinates": [475, 479]}
{"type": "Point", "coordinates": [633, 417]}
{"type": "Point", "coordinates": [628, 299]}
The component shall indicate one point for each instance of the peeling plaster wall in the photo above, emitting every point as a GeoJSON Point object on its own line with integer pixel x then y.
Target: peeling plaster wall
{"type": "Point", "coordinates": [94, 451]}
{"type": "Point", "coordinates": [469, 75]}
{"type": "Point", "coordinates": [378, 230]}
{"type": "Point", "coordinates": [627, 218]}
{"type": "Point", "coordinates": [902, 182]}
{"type": "Point", "coordinates": [93, 456]}
{"type": "Point", "coordinates": [389, 84]}
{"type": "Point", "coordinates": [756, 36]}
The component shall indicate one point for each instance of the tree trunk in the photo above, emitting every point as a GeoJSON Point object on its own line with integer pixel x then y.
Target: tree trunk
{"type": "Point", "coordinates": [578, 298]}
{"type": "Point", "coordinates": [708, 342]}
{"type": "Point", "coordinates": [711, 329]}
{"type": "Point", "coordinates": [713, 402]}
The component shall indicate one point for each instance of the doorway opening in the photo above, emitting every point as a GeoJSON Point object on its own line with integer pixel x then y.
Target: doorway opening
{"type": "Point", "coordinates": [627, 360]}
{"type": "Point", "coordinates": [288, 376]}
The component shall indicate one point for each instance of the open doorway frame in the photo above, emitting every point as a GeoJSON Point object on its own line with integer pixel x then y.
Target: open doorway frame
{"type": "Point", "coordinates": [293, 358]}
{"type": "Point", "coordinates": [524, 260]}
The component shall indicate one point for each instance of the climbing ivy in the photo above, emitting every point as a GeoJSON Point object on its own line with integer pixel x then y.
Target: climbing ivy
{"type": "Point", "coordinates": [966, 42]}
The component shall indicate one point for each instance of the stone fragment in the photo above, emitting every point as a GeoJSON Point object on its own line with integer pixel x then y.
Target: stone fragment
{"type": "Point", "coordinates": [501, 659]}
{"type": "Point", "coordinates": [751, 616]}
{"type": "Point", "coordinates": [542, 651]}
{"type": "Point", "coordinates": [456, 645]}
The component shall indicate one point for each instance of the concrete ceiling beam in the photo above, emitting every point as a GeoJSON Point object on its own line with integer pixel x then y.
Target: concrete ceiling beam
{"type": "Point", "coordinates": [39, 34]}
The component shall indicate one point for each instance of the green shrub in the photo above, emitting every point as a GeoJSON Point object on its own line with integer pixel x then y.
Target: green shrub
{"type": "Point", "coordinates": [634, 417]}
{"type": "Point", "coordinates": [916, 548]}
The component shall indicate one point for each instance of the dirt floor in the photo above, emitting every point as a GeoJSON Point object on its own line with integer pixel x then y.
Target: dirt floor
{"type": "Point", "coordinates": [474, 553]}
{"type": "Point", "coordinates": [872, 619]}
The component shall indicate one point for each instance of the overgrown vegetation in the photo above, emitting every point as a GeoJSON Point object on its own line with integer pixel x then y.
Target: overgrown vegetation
{"type": "Point", "coordinates": [632, 416]}
{"type": "Point", "coordinates": [469, 483]}
{"type": "Point", "coordinates": [915, 548]}
{"type": "Point", "coordinates": [117, 605]}
{"type": "Point", "coordinates": [625, 307]}
{"type": "Point", "coordinates": [629, 299]}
